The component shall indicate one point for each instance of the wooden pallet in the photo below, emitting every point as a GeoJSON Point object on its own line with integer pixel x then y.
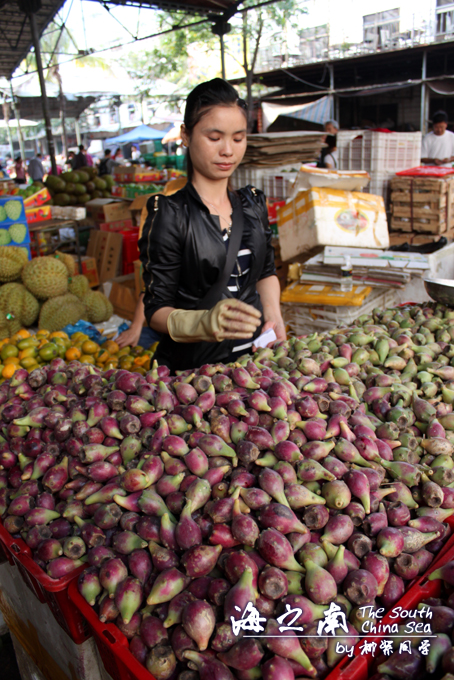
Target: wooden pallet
{"type": "Point", "coordinates": [430, 225]}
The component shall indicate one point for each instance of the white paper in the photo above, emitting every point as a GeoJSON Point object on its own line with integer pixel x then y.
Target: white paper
{"type": "Point", "coordinates": [266, 337]}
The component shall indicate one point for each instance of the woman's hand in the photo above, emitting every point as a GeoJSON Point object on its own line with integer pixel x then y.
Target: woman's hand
{"type": "Point", "coordinates": [130, 337]}
{"type": "Point", "coordinates": [278, 327]}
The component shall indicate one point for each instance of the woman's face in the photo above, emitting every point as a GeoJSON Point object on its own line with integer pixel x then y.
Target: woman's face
{"type": "Point", "coordinates": [218, 142]}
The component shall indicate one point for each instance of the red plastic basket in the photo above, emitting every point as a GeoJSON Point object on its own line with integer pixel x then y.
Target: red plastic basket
{"type": "Point", "coordinates": [48, 590]}
{"type": "Point", "coordinates": [426, 171]}
{"type": "Point", "coordinates": [112, 645]}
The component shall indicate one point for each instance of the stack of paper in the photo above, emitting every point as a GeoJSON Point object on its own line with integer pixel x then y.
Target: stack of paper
{"type": "Point", "coordinates": [282, 148]}
{"type": "Point", "coordinates": [378, 268]}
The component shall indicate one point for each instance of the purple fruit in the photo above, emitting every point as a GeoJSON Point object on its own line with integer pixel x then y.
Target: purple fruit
{"type": "Point", "coordinates": [338, 529]}
{"type": "Point", "coordinates": [161, 662]}
{"type": "Point", "coordinates": [390, 542]}
{"type": "Point", "coordinates": [273, 583]}
{"type": "Point", "coordinates": [168, 584]}
{"type": "Point", "coordinates": [287, 646]}
{"type": "Point", "coordinates": [239, 595]}
{"type": "Point", "coordinates": [89, 587]}
{"type": "Point", "coordinates": [276, 549]}
{"type": "Point", "coordinates": [112, 573]}
{"type": "Point", "coordinates": [319, 584]}
{"type": "Point", "coordinates": [315, 517]}
{"type": "Point", "coordinates": [378, 566]}
{"type": "Point", "coordinates": [209, 667]}
{"type": "Point", "coordinates": [360, 587]}
{"type": "Point", "coordinates": [140, 566]}
{"type": "Point", "coordinates": [198, 621]}
{"type": "Point", "coordinates": [200, 560]}
{"type": "Point", "coordinates": [176, 607]}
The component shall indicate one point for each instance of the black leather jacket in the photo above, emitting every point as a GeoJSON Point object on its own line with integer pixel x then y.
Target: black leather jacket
{"type": "Point", "coordinates": [183, 255]}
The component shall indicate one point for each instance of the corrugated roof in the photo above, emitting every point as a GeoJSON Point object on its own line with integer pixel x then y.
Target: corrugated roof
{"type": "Point", "coordinates": [15, 33]}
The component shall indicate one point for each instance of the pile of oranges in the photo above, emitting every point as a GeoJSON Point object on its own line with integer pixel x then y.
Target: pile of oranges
{"type": "Point", "coordinates": [24, 350]}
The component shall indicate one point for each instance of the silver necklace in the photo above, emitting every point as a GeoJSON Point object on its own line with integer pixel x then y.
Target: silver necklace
{"type": "Point", "coordinates": [228, 222]}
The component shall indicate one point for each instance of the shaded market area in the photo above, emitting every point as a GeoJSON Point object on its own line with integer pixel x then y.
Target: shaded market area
{"type": "Point", "coordinates": [227, 346]}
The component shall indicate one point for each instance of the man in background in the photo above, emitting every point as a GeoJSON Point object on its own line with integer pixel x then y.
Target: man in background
{"type": "Point", "coordinates": [36, 169]}
{"type": "Point", "coordinates": [80, 161]}
{"type": "Point", "coordinates": [438, 146]}
{"type": "Point", "coordinates": [331, 127]}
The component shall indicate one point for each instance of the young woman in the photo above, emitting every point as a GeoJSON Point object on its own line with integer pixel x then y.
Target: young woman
{"type": "Point", "coordinates": [208, 263]}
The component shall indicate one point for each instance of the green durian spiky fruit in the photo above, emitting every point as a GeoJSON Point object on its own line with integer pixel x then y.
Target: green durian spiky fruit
{"type": "Point", "coordinates": [59, 311]}
{"type": "Point", "coordinates": [9, 269]}
{"type": "Point", "coordinates": [67, 260]}
{"type": "Point", "coordinates": [18, 304]}
{"type": "Point", "coordinates": [79, 285]}
{"type": "Point", "coordinates": [45, 277]}
{"type": "Point", "coordinates": [16, 253]}
{"type": "Point", "coordinates": [99, 308]}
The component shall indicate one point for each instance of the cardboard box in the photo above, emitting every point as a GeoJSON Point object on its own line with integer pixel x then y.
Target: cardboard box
{"type": "Point", "coordinates": [88, 269]}
{"type": "Point", "coordinates": [106, 248]}
{"type": "Point", "coordinates": [135, 173]}
{"type": "Point", "coordinates": [138, 277]}
{"type": "Point", "coordinates": [35, 200]}
{"type": "Point", "coordinates": [41, 214]}
{"type": "Point", "coordinates": [123, 296]}
{"type": "Point", "coordinates": [108, 210]}
{"type": "Point", "coordinates": [330, 217]}
{"type": "Point", "coordinates": [119, 225]}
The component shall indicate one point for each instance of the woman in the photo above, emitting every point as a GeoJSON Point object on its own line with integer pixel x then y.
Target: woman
{"type": "Point", "coordinates": [208, 263]}
{"type": "Point", "coordinates": [20, 177]}
{"type": "Point", "coordinates": [329, 156]}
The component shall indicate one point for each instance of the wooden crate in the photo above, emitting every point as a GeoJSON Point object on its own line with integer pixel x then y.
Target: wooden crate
{"type": "Point", "coordinates": [398, 238]}
{"type": "Point", "coordinates": [422, 204]}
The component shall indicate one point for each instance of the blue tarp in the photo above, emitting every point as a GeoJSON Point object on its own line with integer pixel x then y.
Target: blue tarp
{"type": "Point", "coordinates": [143, 133]}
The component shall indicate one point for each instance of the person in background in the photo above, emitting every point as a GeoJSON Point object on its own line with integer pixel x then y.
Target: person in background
{"type": "Point", "coordinates": [438, 145]}
{"type": "Point", "coordinates": [36, 169]}
{"type": "Point", "coordinates": [70, 160]}
{"type": "Point", "coordinates": [107, 164]}
{"type": "Point", "coordinates": [80, 161]}
{"type": "Point", "coordinates": [20, 171]}
{"type": "Point", "coordinates": [118, 156]}
{"type": "Point", "coordinates": [331, 127]}
{"type": "Point", "coordinates": [329, 157]}
{"type": "Point", "coordinates": [89, 160]}
{"type": "Point", "coordinates": [135, 153]}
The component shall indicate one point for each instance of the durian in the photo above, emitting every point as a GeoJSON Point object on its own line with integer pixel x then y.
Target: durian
{"type": "Point", "coordinates": [67, 260]}
{"type": "Point", "coordinates": [9, 269]}
{"type": "Point", "coordinates": [16, 253]}
{"type": "Point", "coordinates": [45, 277]}
{"type": "Point", "coordinates": [79, 286]}
{"type": "Point", "coordinates": [17, 302]}
{"type": "Point", "coordinates": [99, 308]}
{"type": "Point", "coordinates": [59, 311]}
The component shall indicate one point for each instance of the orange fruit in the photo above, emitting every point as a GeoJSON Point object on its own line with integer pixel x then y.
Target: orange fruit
{"type": "Point", "coordinates": [9, 371]}
{"type": "Point", "coordinates": [111, 346]}
{"type": "Point", "coordinates": [90, 347]}
{"type": "Point", "coordinates": [87, 359]}
{"type": "Point", "coordinates": [72, 354]}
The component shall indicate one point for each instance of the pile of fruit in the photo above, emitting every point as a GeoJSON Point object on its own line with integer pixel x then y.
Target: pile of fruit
{"type": "Point", "coordinates": [45, 290]}
{"type": "Point", "coordinates": [317, 472]}
{"type": "Point", "coordinates": [24, 350]}
{"type": "Point", "coordinates": [77, 188]}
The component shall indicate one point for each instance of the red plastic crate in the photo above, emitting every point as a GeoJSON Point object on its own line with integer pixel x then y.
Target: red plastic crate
{"type": "Point", "coordinates": [48, 590]}
{"type": "Point", "coordinates": [359, 667]}
{"type": "Point", "coordinates": [113, 647]}
{"type": "Point", "coordinates": [426, 171]}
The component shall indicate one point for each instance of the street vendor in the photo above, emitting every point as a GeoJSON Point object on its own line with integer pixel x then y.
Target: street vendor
{"type": "Point", "coordinates": [208, 264]}
{"type": "Point", "coordinates": [438, 145]}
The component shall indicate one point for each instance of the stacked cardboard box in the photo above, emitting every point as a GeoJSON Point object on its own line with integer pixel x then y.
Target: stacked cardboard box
{"type": "Point", "coordinates": [422, 209]}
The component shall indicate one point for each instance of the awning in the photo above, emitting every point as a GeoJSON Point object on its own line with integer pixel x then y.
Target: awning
{"type": "Point", "coordinates": [143, 133]}
{"type": "Point", "coordinates": [318, 111]}
{"type": "Point", "coordinates": [444, 87]}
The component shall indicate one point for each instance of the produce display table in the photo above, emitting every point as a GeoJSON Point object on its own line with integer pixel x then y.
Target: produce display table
{"type": "Point", "coordinates": [53, 226]}
{"type": "Point", "coordinates": [441, 267]}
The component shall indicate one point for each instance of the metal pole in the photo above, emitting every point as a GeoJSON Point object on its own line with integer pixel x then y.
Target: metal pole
{"type": "Point", "coordinates": [6, 117]}
{"type": "Point", "coordinates": [44, 102]}
{"type": "Point", "coordinates": [77, 128]}
{"type": "Point", "coordinates": [221, 38]}
{"type": "Point", "coordinates": [19, 129]}
{"type": "Point", "coordinates": [423, 115]}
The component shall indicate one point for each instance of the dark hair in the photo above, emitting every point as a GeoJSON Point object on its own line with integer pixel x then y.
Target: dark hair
{"type": "Point", "coordinates": [439, 117]}
{"type": "Point", "coordinates": [107, 152]}
{"type": "Point", "coordinates": [19, 158]}
{"type": "Point", "coordinates": [216, 92]}
{"type": "Point", "coordinates": [81, 147]}
{"type": "Point", "coordinates": [331, 141]}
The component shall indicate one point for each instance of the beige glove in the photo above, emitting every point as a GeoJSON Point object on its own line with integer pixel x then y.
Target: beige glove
{"type": "Point", "coordinates": [229, 319]}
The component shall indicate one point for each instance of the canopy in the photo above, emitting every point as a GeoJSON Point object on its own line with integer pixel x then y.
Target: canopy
{"type": "Point", "coordinates": [143, 133]}
{"type": "Point", "coordinates": [318, 111]}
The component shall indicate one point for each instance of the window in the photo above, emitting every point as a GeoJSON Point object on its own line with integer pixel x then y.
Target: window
{"type": "Point", "coordinates": [445, 17]}
{"type": "Point", "coordinates": [314, 42]}
{"type": "Point", "coordinates": [381, 29]}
